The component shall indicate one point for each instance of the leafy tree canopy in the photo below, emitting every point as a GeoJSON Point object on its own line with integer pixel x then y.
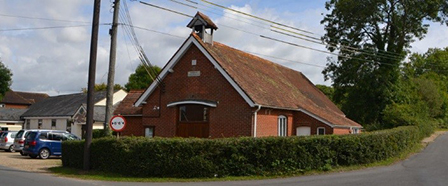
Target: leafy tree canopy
{"type": "Point", "coordinates": [142, 77]}
{"type": "Point", "coordinates": [5, 79]}
{"type": "Point", "coordinates": [372, 38]}
{"type": "Point", "coordinates": [422, 91]}
{"type": "Point", "coordinates": [103, 87]}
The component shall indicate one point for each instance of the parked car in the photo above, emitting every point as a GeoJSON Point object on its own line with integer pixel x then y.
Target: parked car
{"type": "Point", "coordinates": [19, 141]}
{"type": "Point", "coordinates": [45, 143]}
{"type": "Point", "coordinates": [7, 141]}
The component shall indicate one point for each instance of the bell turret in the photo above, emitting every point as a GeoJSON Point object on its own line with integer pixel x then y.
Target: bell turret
{"type": "Point", "coordinates": [203, 26]}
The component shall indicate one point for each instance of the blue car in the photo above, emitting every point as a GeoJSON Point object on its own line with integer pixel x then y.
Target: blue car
{"type": "Point", "coordinates": [45, 143]}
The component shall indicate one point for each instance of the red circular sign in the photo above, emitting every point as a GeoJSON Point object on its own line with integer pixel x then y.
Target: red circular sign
{"type": "Point", "coordinates": [117, 123]}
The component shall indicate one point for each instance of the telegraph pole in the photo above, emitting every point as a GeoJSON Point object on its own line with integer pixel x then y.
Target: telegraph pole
{"type": "Point", "coordinates": [111, 74]}
{"type": "Point", "coordinates": [91, 83]}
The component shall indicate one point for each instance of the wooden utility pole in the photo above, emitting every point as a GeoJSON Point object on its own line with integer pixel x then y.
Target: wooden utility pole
{"type": "Point", "coordinates": [91, 83]}
{"type": "Point", "coordinates": [111, 74]}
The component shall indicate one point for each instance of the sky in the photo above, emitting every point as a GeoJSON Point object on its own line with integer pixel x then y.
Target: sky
{"type": "Point", "coordinates": [46, 43]}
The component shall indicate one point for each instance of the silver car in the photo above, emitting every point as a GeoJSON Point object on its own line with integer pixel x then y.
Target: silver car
{"type": "Point", "coordinates": [19, 141]}
{"type": "Point", "coordinates": [7, 141]}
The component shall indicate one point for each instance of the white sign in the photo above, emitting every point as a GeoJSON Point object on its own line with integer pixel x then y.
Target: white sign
{"type": "Point", "coordinates": [117, 123]}
{"type": "Point", "coordinates": [194, 73]}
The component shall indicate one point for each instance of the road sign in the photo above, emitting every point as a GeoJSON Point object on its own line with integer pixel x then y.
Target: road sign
{"type": "Point", "coordinates": [117, 123]}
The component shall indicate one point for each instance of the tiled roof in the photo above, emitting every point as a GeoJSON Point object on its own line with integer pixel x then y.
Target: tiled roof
{"type": "Point", "coordinates": [126, 106]}
{"type": "Point", "coordinates": [11, 114]}
{"type": "Point", "coordinates": [33, 97]}
{"type": "Point", "coordinates": [272, 85]}
{"type": "Point", "coordinates": [22, 98]}
{"type": "Point", "coordinates": [207, 20]}
{"type": "Point", "coordinates": [17, 97]}
{"type": "Point", "coordinates": [63, 105]}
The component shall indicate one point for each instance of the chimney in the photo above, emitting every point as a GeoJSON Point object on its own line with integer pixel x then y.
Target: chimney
{"type": "Point", "coordinates": [203, 26]}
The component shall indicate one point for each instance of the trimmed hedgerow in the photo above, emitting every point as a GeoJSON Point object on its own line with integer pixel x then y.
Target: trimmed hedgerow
{"type": "Point", "coordinates": [191, 157]}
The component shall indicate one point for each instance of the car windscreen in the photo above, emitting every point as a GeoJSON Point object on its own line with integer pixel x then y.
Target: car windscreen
{"type": "Point", "coordinates": [31, 135]}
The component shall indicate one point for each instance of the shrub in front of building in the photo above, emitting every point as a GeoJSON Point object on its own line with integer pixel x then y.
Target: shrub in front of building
{"type": "Point", "coordinates": [191, 157]}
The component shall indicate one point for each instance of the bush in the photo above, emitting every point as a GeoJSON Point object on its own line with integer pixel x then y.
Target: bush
{"type": "Point", "coordinates": [191, 157]}
{"type": "Point", "coordinates": [100, 133]}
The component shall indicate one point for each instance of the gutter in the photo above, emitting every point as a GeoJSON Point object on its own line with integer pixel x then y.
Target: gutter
{"type": "Point", "coordinates": [255, 120]}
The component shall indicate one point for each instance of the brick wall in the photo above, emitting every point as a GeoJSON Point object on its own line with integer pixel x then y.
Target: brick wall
{"type": "Point", "coordinates": [267, 124]}
{"type": "Point", "coordinates": [302, 119]}
{"type": "Point", "coordinates": [231, 117]}
{"type": "Point", "coordinates": [341, 131]}
{"type": "Point", "coordinates": [133, 126]}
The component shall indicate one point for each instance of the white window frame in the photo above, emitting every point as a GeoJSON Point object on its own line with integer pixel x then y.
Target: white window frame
{"type": "Point", "coordinates": [282, 125]}
{"type": "Point", "coordinates": [53, 124]}
{"type": "Point", "coordinates": [317, 132]}
{"type": "Point", "coordinates": [148, 128]}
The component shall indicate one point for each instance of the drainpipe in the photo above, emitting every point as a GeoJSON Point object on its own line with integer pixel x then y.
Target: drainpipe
{"type": "Point", "coordinates": [255, 120]}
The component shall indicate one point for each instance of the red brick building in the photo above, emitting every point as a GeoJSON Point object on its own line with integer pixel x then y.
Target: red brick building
{"type": "Point", "coordinates": [208, 89]}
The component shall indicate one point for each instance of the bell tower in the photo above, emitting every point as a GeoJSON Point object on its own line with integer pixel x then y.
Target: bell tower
{"type": "Point", "coordinates": [203, 26]}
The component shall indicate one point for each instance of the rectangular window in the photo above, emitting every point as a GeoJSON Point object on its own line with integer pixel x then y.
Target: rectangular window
{"type": "Point", "coordinates": [320, 131]}
{"type": "Point", "coordinates": [193, 113]}
{"type": "Point", "coordinates": [2, 105]}
{"type": "Point", "coordinates": [149, 132]}
{"type": "Point", "coordinates": [39, 123]}
{"type": "Point", "coordinates": [68, 126]}
{"type": "Point", "coordinates": [27, 124]}
{"type": "Point", "coordinates": [282, 126]}
{"type": "Point", "coordinates": [53, 124]}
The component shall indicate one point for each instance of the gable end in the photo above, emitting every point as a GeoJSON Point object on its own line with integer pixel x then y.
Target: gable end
{"type": "Point", "coordinates": [188, 43]}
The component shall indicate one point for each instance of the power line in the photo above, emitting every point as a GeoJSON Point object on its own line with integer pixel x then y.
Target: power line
{"type": "Point", "coordinates": [40, 18]}
{"type": "Point", "coordinates": [44, 28]}
{"type": "Point", "coordinates": [384, 53]}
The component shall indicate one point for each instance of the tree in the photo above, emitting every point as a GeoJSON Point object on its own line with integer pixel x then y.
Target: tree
{"type": "Point", "coordinates": [372, 38]}
{"type": "Point", "coordinates": [5, 79]}
{"type": "Point", "coordinates": [142, 78]}
{"type": "Point", "coordinates": [103, 87]}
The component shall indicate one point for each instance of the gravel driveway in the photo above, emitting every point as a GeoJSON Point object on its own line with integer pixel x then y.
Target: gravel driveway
{"type": "Point", "coordinates": [17, 161]}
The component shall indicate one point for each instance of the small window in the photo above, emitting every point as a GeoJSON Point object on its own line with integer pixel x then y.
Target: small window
{"type": "Point", "coordinates": [53, 124]}
{"type": "Point", "coordinates": [55, 136]}
{"type": "Point", "coordinates": [282, 126]}
{"type": "Point", "coordinates": [149, 132]}
{"type": "Point", "coordinates": [2, 105]}
{"type": "Point", "coordinates": [43, 135]}
{"type": "Point", "coordinates": [27, 124]}
{"type": "Point", "coordinates": [355, 131]}
{"type": "Point", "coordinates": [320, 131]}
{"type": "Point", "coordinates": [31, 135]}
{"type": "Point", "coordinates": [193, 113]}
{"type": "Point", "coordinates": [39, 123]}
{"type": "Point", "coordinates": [68, 126]}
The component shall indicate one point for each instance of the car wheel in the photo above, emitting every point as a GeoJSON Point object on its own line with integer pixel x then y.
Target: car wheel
{"type": "Point", "coordinates": [23, 154]}
{"type": "Point", "coordinates": [11, 148]}
{"type": "Point", "coordinates": [33, 156]}
{"type": "Point", "coordinates": [44, 153]}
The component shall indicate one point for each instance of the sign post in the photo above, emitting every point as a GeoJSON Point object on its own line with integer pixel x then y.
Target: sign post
{"type": "Point", "coordinates": [117, 124]}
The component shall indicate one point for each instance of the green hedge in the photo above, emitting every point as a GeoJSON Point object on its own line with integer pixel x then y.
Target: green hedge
{"type": "Point", "coordinates": [190, 157]}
